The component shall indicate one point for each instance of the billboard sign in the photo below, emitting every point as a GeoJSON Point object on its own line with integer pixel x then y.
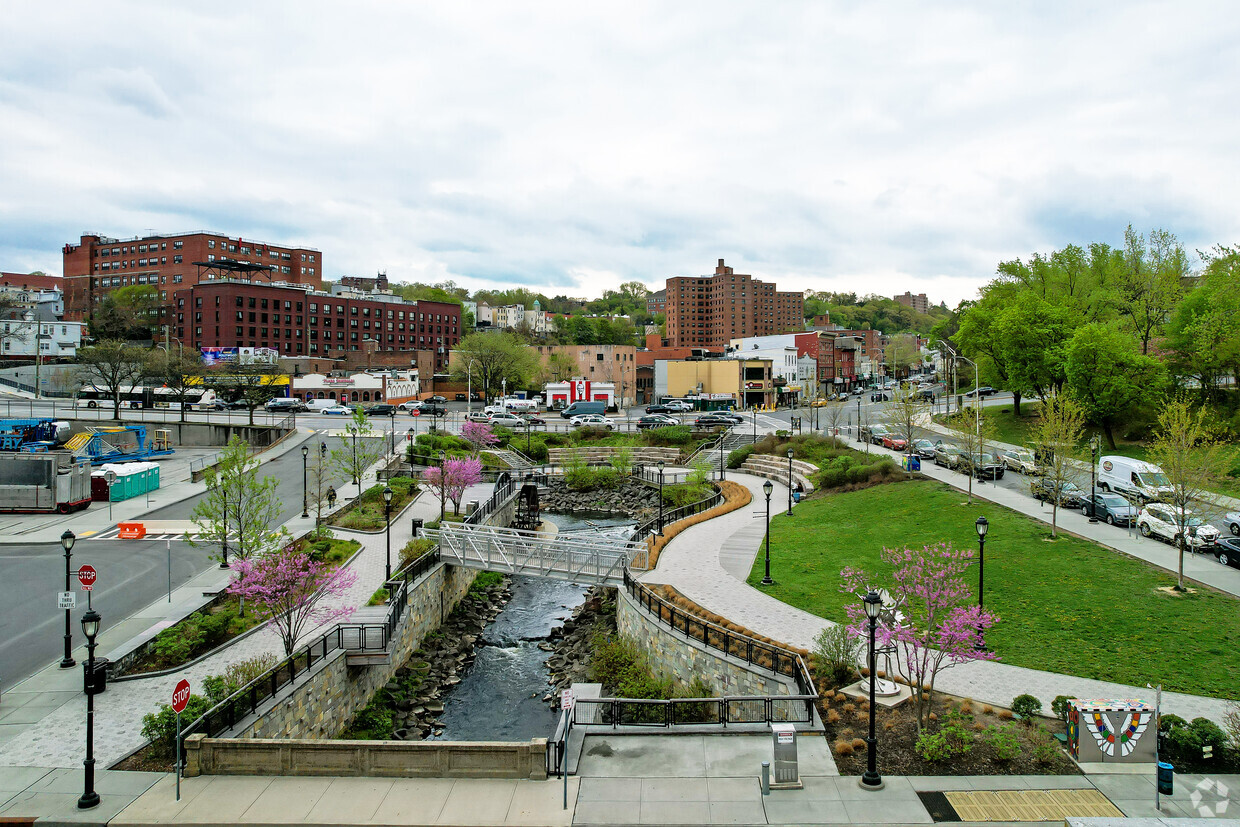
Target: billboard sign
{"type": "Point", "coordinates": [213, 356]}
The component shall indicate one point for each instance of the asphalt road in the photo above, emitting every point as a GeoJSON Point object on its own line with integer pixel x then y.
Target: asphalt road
{"type": "Point", "coordinates": [132, 574]}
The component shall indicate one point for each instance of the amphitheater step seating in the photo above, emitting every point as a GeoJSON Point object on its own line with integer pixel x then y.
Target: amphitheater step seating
{"type": "Point", "coordinates": [603, 455]}
{"type": "Point", "coordinates": [776, 469]}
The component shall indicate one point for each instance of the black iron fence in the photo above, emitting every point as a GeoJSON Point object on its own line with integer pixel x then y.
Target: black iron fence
{"type": "Point", "coordinates": [671, 515]}
{"type": "Point", "coordinates": [504, 490]}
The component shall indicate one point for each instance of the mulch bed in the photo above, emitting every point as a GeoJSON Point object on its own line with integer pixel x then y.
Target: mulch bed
{"type": "Point", "coordinates": [896, 731]}
{"type": "Point", "coordinates": [141, 761]}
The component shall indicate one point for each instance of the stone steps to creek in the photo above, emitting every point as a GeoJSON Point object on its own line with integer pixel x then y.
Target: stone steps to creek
{"type": "Point", "coordinates": [776, 469]}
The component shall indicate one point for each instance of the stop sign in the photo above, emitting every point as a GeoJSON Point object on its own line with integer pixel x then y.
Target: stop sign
{"type": "Point", "coordinates": [86, 576]}
{"type": "Point", "coordinates": [180, 696]}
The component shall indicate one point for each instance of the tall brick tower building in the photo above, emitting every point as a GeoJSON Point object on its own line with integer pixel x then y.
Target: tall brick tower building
{"type": "Point", "coordinates": [710, 311]}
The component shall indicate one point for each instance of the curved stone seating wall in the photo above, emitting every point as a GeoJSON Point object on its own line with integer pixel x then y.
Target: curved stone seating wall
{"type": "Point", "coordinates": [776, 469]}
{"type": "Point", "coordinates": [603, 455]}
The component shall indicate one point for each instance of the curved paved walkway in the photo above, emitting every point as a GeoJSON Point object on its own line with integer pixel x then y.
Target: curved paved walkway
{"type": "Point", "coordinates": [709, 562]}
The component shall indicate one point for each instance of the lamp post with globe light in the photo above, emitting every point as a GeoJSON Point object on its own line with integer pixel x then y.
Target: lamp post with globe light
{"type": "Point", "coordinates": [767, 487]}
{"type": "Point", "coordinates": [871, 780]}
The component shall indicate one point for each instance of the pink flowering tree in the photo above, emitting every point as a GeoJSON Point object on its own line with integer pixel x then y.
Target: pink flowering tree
{"type": "Point", "coordinates": [293, 591]}
{"type": "Point", "coordinates": [478, 435]}
{"type": "Point", "coordinates": [456, 476]}
{"type": "Point", "coordinates": [935, 622]}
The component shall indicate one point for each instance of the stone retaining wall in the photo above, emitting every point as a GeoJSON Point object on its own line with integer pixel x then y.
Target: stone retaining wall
{"type": "Point", "coordinates": [684, 659]}
{"type": "Point", "coordinates": [603, 455]}
{"type": "Point", "coordinates": [330, 695]}
{"type": "Point", "coordinates": [406, 759]}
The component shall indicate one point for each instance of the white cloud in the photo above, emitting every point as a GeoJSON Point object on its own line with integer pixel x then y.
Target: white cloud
{"type": "Point", "coordinates": [570, 147]}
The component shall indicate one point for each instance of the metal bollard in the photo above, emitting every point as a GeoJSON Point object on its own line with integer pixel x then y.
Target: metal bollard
{"type": "Point", "coordinates": [766, 777]}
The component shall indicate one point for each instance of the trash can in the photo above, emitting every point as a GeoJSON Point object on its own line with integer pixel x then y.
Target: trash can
{"type": "Point", "coordinates": [416, 526]}
{"type": "Point", "coordinates": [93, 684]}
{"type": "Point", "coordinates": [1166, 778]}
{"type": "Point", "coordinates": [785, 771]}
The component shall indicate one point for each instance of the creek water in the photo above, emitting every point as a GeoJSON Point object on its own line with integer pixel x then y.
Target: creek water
{"type": "Point", "coordinates": [499, 698]}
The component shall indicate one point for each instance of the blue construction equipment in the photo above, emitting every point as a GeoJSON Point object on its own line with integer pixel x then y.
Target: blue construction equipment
{"type": "Point", "coordinates": [32, 435]}
{"type": "Point", "coordinates": [120, 443]}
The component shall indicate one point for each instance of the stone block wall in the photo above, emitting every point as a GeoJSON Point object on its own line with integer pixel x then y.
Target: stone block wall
{"type": "Point", "coordinates": [683, 659]}
{"type": "Point", "coordinates": [328, 698]}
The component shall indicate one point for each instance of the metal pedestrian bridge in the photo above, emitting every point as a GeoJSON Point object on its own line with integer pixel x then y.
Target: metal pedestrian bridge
{"type": "Point", "coordinates": [598, 560]}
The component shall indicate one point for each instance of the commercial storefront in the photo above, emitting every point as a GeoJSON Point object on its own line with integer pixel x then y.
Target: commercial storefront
{"type": "Point", "coordinates": [358, 387]}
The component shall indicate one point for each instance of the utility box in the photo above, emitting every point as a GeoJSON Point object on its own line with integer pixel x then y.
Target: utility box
{"type": "Point", "coordinates": [785, 773]}
{"type": "Point", "coordinates": [1112, 731]}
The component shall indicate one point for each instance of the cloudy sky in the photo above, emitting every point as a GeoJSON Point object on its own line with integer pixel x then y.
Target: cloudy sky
{"type": "Point", "coordinates": [568, 147]}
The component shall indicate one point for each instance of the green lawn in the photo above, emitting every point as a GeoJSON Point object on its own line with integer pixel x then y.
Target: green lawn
{"type": "Point", "coordinates": [1067, 606]}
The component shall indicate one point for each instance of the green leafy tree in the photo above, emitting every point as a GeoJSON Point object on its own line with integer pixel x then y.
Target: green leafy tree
{"type": "Point", "coordinates": [1204, 330]}
{"type": "Point", "coordinates": [1194, 462]}
{"type": "Point", "coordinates": [906, 410]}
{"type": "Point", "coordinates": [178, 373]}
{"type": "Point", "coordinates": [114, 367]}
{"type": "Point", "coordinates": [1108, 376]}
{"type": "Point", "coordinates": [359, 448]}
{"type": "Point", "coordinates": [251, 384]}
{"type": "Point", "coordinates": [1151, 281]}
{"type": "Point", "coordinates": [126, 313]}
{"type": "Point", "coordinates": [1057, 437]}
{"type": "Point", "coordinates": [497, 357]}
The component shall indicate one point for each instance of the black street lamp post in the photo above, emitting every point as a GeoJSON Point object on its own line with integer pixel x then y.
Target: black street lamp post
{"type": "Point", "coordinates": [789, 482]}
{"type": "Point", "coordinates": [871, 779]}
{"type": "Point", "coordinates": [858, 418]}
{"type": "Point", "coordinates": [767, 487]}
{"type": "Point", "coordinates": [755, 423]}
{"type": "Point", "coordinates": [223, 484]}
{"type": "Point", "coordinates": [1093, 478]}
{"type": "Point", "coordinates": [356, 476]}
{"type": "Point", "coordinates": [66, 541]}
{"type": "Point", "coordinates": [722, 464]}
{"type": "Point", "coordinates": [660, 498]}
{"type": "Point", "coordinates": [443, 485]}
{"type": "Point", "coordinates": [90, 628]}
{"type": "Point", "coordinates": [982, 527]}
{"type": "Point", "coordinates": [393, 416]}
{"type": "Point", "coordinates": [387, 516]}
{"type": "Point", "coordinates": [305, 493]}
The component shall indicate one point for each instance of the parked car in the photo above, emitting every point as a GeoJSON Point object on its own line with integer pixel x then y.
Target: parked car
{"type": "Point", "coordinates": [238, 405]}
{"type": "Point", "coordinates": [1227, 550]}
{"type": "Point", "coordinates": [1020, 459]}
{"type": "Point", "coordinates": [678, 405]}
{"type": "Point", "coordinates": [1232, 520]}
{"type": "Point", "coordinates": [1162, 521]}
{"type": "Point", "coordinates": [1110, 507]}
{"type": "Point", "coordinates": [982, 466]}
{"type": "Point", "coordinates": [876, 434]}
{"type": "Point", "coordinates": [711, 420]}
{"type": "Point", "coordinates": [336, 410]}
{"type": "Point", "coordinates": [984, 390]}
{"type": "Point", "coordinates": [947, 455]}
{"type": "Point", "coordinates": [285, 404]}
{"type": "Point", "coordinates": [430, 409]}
{"type": "Point", "coordinates": [822, 401]}
{"type": "Point", "coordinates": [477, 416]}
{"type": "Point", "coordinates": [410, 406]}
{"type": "Point", "coordinates": [439, 400]}
{"type": "Point", "coordinates": [507, 420]}
{"type": "Point", "coordinates": [656, 421]}
{"type": "Point", "coordinates": [924, 448]}
{"type": "Point", "coordinates": [658, 409]}
{"type": "Point", "coordinates": [879, 396]}
{"type": "Point", "coordinates": [532, 419]}
{"type": "Point", "coordinates": [592, 421]}
{"type": "Point", "coordinates": [857, 391]}
{"type": "Point", "coordinates": [894, 442]}
{"type": "Point", "coordinates": [734, 418]}
{"type": "Point", "coordinates": [381, 410]}
{"type": "Point", "coordinates": [1067, 495]}
{"type": "Point", "coordinates": [213, 405]}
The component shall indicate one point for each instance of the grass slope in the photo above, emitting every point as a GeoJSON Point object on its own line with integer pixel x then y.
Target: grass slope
{"type": "Point", "coordinates": [1068, 606]}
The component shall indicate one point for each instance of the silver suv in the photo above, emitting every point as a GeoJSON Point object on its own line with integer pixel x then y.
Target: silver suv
{"type": "Point", "coordinates": [1162, 521]}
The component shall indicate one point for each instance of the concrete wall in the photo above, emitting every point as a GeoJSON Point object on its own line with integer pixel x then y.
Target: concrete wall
{"type": "Point", "coordinates": [682, 659]}
{"type": "Point", "coordinates": [408, 759]}
{"type": "Point", "coordinates": [328, 698]}
{"type": "Point", "coordinates": [192, 434]}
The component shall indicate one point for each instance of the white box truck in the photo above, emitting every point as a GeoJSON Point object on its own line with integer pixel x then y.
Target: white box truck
{"type": "Point", "coordinates": [1133, 478]}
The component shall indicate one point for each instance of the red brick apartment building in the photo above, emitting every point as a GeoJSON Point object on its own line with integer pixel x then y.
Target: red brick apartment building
{"type": "Point", "coordinates": [299, 321]}
{"type": "Point", "coordinates": [98, 264]}
{"type": "Point", "coordinates": [710, 311]}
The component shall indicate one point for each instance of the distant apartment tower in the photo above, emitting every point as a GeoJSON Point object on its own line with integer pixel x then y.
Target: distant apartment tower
{"type": "Point", "coordinates": [656, 302]}
{"type": "Point", "coordinates": [919, 302]}
{"type": "Point", "coordinates": [710, 311]}
{"type": "Point", "coordinates": [97, 264]}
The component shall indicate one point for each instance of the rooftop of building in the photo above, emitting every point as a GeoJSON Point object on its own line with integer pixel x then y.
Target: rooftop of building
{"type": "Point", "coordinates": [104, 239]}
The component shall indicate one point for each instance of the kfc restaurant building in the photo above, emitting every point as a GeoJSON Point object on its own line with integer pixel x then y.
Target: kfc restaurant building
{"type": "Point", "coordinates": [562, 394]}
{"type": "Point", "coordinates": [358, 387]}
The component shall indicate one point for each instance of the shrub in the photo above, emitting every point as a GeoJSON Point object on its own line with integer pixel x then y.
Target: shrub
{"type": "Point", "coordinates": [833, 717]}
{"type": "Point", "coordinates": [1026, 706]}
{"type": "Point", "coordinates": [1061, 706]}
{"type": "Point", "coordinates": [175, 644]}
{"type": "Point", "coordinates": [379, 598]}
{"type": "Point", "coordinates": [668, 437]}
{"type": "Point", "coordinates": [1045, 747]}
{"type": "Point", "coordinates": [373, 723]}
{"type": "Point", "coordinates": [932, 746]}
{"type": "Point", "coordinates": [737, 458]}
{"type": "Point", "coordinates": [1003, 741]}
{"type": "Point", "coordinates": [414, 550]}
{"type": "Point", "coordinates": [858, 744]}
{"type": "Point", "coordinates": [843, 747]}
{"type": "Point", "coordinates": [239, 673]}
{"type": "Point", "coordinates": [1005, 714]}
{"type": "Point", "coordinates": [1231, 722]}
{"type": "Point", "coordinates": [836, 650]}
{"type": "Point", "coordinates": [1185, 742]}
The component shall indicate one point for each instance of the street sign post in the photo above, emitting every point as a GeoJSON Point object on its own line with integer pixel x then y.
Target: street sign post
{"type": "Point", "coordinates": [86, 576]}
{"type": "Point", "coordinates": [66, 600]}
{"type": "Point", "coordinates": [566, 703]}
{"type": "Point", "coordinates": [180, 699]}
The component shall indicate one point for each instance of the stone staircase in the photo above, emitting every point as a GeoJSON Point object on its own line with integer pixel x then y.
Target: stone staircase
{"type": "Point", "coordinates": [514, 459]}
{"type": "Point", "coordinates": [733, 440]}
{"type": "Point", "coordinates": [602, 455]}
{"type": "Point", "coordinates": [776, 469]}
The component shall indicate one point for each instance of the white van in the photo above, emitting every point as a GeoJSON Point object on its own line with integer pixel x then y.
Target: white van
{"type": "Point", "coordinates": [1133, 478]}
{"type": "Point", "coordinates": [320, 404]}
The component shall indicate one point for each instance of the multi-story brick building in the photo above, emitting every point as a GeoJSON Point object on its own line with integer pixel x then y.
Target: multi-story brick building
{"type": "Point", "coordinates": [919, 302]}
{"type": "Point", "coordinates": [98, 264]}
{"type": "Point", "coordinates": [602, 363]}
{"type": "Point", "coordinates": [709, 311]}
{"type": "Point", "coordinates": [656, 302]}
{"type": "Point", "coordinates": [298, 320]}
